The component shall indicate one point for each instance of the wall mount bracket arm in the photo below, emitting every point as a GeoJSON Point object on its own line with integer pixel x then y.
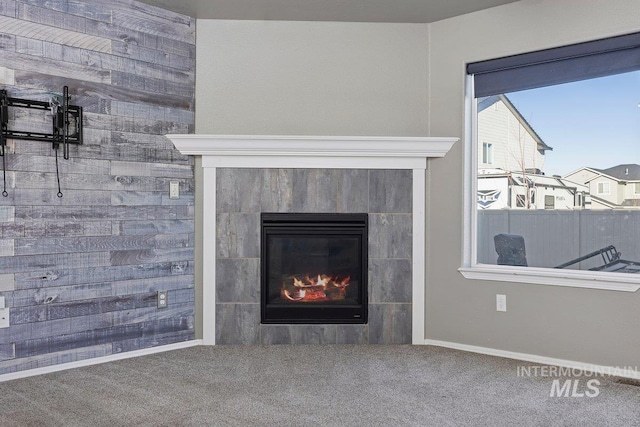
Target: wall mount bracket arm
{"type": "Point", "coordinates": [66, 126]}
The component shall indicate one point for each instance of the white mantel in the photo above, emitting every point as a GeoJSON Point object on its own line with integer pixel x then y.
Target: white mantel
{"type": "Point", "coordinates": [323, 152]}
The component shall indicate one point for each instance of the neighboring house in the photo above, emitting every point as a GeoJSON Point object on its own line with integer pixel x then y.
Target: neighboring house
{"type": "Point", "coordinates": [617, 187]}
{"type": "Point", "coordinates": [498, 189]}
{"type": "Point", "coordinates": [505, 139]}
{"type": "Point", "coordinates": [510, 162]}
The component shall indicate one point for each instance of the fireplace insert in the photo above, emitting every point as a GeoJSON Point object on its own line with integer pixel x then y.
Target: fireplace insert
{"type": "Point", "coordinates": [314, 268]}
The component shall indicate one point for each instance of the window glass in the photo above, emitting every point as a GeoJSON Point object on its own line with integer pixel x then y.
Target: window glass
{"type": "Point", "coordinates": [564, 159]}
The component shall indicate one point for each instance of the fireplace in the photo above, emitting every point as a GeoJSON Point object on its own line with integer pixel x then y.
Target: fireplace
{"type": "Point", "coordinates": [314, 268]}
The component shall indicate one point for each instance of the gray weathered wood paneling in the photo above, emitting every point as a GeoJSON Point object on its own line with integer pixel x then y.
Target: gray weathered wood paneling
{"type": "Point", "coordinates": [81, 273]}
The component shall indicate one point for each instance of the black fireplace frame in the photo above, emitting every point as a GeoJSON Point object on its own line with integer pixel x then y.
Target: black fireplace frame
{"type": "Point", "coordinates": [315, 224]}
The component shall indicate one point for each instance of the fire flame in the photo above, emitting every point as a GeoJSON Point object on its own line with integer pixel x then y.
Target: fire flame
{"type": "Point", "coordinates": [316, 289]}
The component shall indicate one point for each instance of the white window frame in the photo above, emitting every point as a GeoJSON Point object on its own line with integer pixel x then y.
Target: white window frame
{"type": "Point", "coordinates": [487, 153]}
{"type": "Point", "coordinates": [470, 268]}
{"type": "Point", "coordinates": [606, 188]}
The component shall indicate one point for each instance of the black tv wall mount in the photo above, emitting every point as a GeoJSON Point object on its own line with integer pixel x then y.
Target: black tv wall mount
{"type": "Point", "coordinates": [66, 129]}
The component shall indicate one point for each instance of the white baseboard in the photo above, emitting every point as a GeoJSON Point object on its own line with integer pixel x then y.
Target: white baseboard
{"type": "Point", "coordinates": [623, 371]}
{"type": "Point", "coordinates": [98, 360]}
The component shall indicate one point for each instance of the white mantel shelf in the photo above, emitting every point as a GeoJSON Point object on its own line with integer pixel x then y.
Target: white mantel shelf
{"type": "Point", "coordinates": [324, 152]}
{"type": "Point", "coordinates": [324, 146]}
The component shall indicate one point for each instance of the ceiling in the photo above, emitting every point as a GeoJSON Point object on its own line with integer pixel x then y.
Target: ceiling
{"type": "Point", "coordinates": [417, 11]}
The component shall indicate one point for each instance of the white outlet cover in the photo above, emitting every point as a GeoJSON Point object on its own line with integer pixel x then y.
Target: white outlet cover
{"type": "Point", "coordinates": [501, 302]}
{"type": "Point", "coordinates": [174, 189]}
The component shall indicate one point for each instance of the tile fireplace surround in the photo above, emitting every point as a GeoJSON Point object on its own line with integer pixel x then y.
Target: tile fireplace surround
{"type": "Point", "coordinates": [244, 175]}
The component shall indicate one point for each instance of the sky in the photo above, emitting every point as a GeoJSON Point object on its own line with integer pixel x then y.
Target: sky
{"type": "Point", "coordinates": [593, 123]}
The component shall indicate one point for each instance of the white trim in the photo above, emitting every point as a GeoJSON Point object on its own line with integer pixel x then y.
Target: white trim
{"type": "Point", "coordinates": [534, 358]}
{"type": "Point", "coordinates": [418, 258]}
{"type": "Point", "coordinates": [311, 146]}
{"type": "Point", "coordinates": [534, 275]}
{"type": "Point", "coordinates": [208, 256]}
{"type": "Point", "coordinates": [98, 360]}
{"type": "Point", "coordinates": [553, 277]}
{"type": "Point", "coordinates": [329, 152]}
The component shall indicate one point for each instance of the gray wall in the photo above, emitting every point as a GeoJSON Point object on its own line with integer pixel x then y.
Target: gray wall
{"type": "Point", "coordinates": [311, 78]}
{"type": "Point", "coordinates": [102, 250]}
{"type": "Point", "coordinates": [373, 79]}
{"type": "Point", "coordinates": [577, 324]}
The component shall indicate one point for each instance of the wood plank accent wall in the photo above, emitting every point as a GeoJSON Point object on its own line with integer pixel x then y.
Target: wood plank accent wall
{"type": "Point", "coordinates": [80, 273]}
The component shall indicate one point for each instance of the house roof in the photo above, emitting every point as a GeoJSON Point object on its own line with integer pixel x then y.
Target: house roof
{"type": "Point", "coordinates": [488, 101]}
{"type": "Point", "coordinates": [625, 172]}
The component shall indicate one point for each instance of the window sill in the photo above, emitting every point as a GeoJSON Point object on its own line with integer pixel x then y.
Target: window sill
{"type": "Point", "coordinates": [552, 277]}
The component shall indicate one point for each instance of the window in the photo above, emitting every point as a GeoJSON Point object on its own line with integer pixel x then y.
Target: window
{"type": "Point", "coordinates": [603, 188]}
{"type": "Point", "coordinates": [549, 202]}
{"type": "Point", "coordinates": [547, 113]}
{"type": "Point", "coordinates": [487, 153]}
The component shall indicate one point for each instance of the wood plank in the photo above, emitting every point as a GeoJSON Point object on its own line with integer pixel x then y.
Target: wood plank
{"type": "Point", "coordinates": [90, 10]}
{"type": "Point", "coordinates": [183, 33]}
{"type": "Point", "coordinates": [12, 231]}
{"type": "Point", "coordinates": [7, 282]}
{"type": "Point", "coordinates": [80, 213]}
{"type": "Point", "coordinates": [51, 34]}
{"type": "Point", "coordinates": [153, 341]}
{"type": "Point", "coordinates": [39, 262]}
{"type": "Point", "coordinates": [95, 337]}
{"type": "Point", "coordinates": [19, 61]}
{"type": "Point", "coordinates": [41, 361]}
{"type": "Point", "coordinates": [7, 247]}
{"type": "Point", "coordinates": [70, 244]}
{"type": "Point", "coordinates": [7, 75]}
{"type": "Point", "coordinates": [7, 213]}
{"type": "Point", "coordinates": [8, 8]}
{"type": "Point", "coordinates": [136, 198]}
{"type": "Point", "coordinates": [175, 87]}
{"type": "Point", "coordinates": [7, 351]}
{"type": "Point", "coordinates": [34, 197]}
{"type": "Point", "coordinates": [178, 60]}
{"type": "Point", "coordinates": [119, 275]}
{"type": "Point", "coordinates": [159, 227]}
{"type": "Point", "coordinates": [128, 124]}
{"type": "Point", "coordinates": [19, 162]}
{"type": "Point", "coordinates": [149, 256]}
{"type": "Point", "coordinates": [36, 80]}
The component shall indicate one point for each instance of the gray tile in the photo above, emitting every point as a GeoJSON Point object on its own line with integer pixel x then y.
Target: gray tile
{"type": "Point", "coordinates": [390, 191]}
{"type": "Point", "coordinates": [352, 334]}
{"type": "Point", "coordinates": [380, 325]}
{"type": "Point", "coordinates": [315, 190]}
{"type": "Point", "coordinates": [238, 235]}
{"type": "Point", "coordinates": [390, 280]}
{"type": "Point", "coordinates": [237, 324]}
{"type": "Point", "coordinates": [253, 190]}
{"type": "Point", "coordinates": [353, 190]}
{"type": "Point", "coordinates": [277, 189]}
{"type": "Point", "coordinates": [313, 334]}
{"type": "Point", "coordinates": [238, 190]}
{"type": "Point", "coordinates": [238, 280]}
{"type": "Point", "coordinates": [390, 235]}
{"type": "Point", "coordinates": [275, 334]}
{"type": "Point", "coordinates": [390, 324]}
{"type": "Point", "coordinates": [401, 332]}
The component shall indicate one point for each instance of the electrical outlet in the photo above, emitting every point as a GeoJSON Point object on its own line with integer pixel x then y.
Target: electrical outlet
{"type": "Point", "coordinates": [162, 299]}
{"type": "Point", "coordinates": [4, 318]}
{"type": "Point", "coordinates": [501, 302]}
{"type": "Point", "coordinates": [174, 189]}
